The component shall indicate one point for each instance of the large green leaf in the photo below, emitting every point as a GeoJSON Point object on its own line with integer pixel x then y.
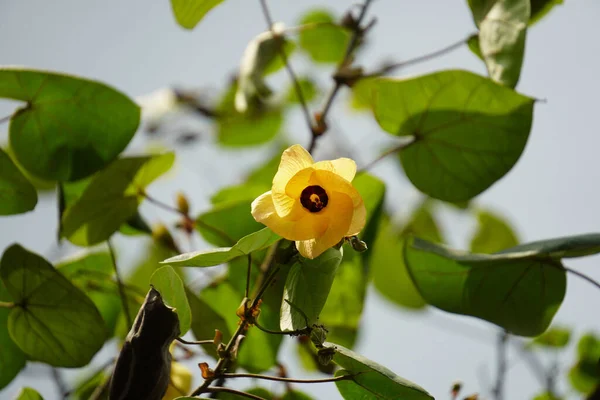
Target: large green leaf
{"type": "Point", "coordinates": [53, 321]}
{"type": "Point", "coordinates": [518, 291]}
{"type": "Point", "coordinates": [540, 8]}
{"type": "Point", "coordinates": [324, 41]}
{"type": "Point", "coordinates": [189, 12]}
{"type": "Point", "coordinates": [93, 274]}
{"type": "Point", "coordinates": [12, 359]}
{"type": "Point", "coordinates": [208, 258]}
{"type": "Point", "coordinates": [306, 288]}
{"type": "Point", "coordinates": [502, 31]}
{"type": "Point", "coordinates": [372, 380]}
{"type": "Point", "coordinates": [17, 194]}
{"type": "Point", "coordinates": [205, 321]}
{"type": "Point", "coordinates": [563, 247]}
{"type": "Point", "coordinates": [70, 127]}
{"type": "Point", "coordinates": [112, 198]}
{"type": "Point", "coordinates": [170, 286]}
{"type": "Point", "coordinates": [27, 393]}
{"type": "Point", "coordinates": [468, 131]}
{"type": "Point", "coordinates": [493, 234]}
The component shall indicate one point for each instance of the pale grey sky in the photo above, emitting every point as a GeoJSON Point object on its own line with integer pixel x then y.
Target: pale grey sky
{"type": "Point", "coordinates": [137, 47]}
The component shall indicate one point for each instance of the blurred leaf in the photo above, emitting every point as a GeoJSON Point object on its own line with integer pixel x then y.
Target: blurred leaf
{"type": "Point", "coordinates": [540, 8]}
{"type": "Point", "coordinates": [17, 194]}
{"type": "Point", "coordinates": [277, 63]}
{"type": "Point", "coordinates": [208, 258]}
{"type": "Point", "coordinates": [205, 321]}
{"type": "Point", "coordinates": [70, 127]}
{"type": "Point", "coordinates": [180, 381]}
{"type": "Point", "coordinates": [257, 391]}
{"type": "Point", "coordinates": [584, 376]}
{"type": "Point", "coordinates": [249, 129]}
{"type": "Point", "coordinates": [12, 359]}
{"type": "Point", "coordinates": [516, 291]}
{"type": "Point", "coordinates": [372, 191]}
{"type": "Point", "coordinates": [360, 99]}
{"type": "Point", "coordinates": [493, 234]}
{"type": "Point", "coordinates": [263, 175]}
{"type": "Point", "coordinates": [422, 223]}
{"type": "Point", "coordinates": [473, 43]}
{"type": "Point", "coordinates": [27, 393]}
{"type": "Point", "coordinates": [588, 347]}
{"type": "Point", "coordinates": [136, 225]}
{"type": "Point", "coordinates": [502, 30]}
{"type": "Point", "coordinates": [233, 194]}
{"type": "Point", "coordinates": [324, 42]}
{"type": "Point", "coordinates": [170, 286]}
{"type": "Point", "coordinates": [53, 321]}
{"type": "Point", "coordinates": [547, 396]}
{"type": "Point", "coordinates": [295, 395]}
{"type": "Point", "coordinates": [84, 388]}
{"type": "Point", "coordinates": [563, 247]}
{"type": "Point", "coordinates": [468, 131]}
{"type": "Point", "coordinates": [93, 274]}
{"type": "Point", "coordinates": [259, 351]}
{"type": "Point", "coordinates": [41, 185]}
{"type": "Point", "coordinates": [372, 380]}
{"type": "Point", "coordinates": [112, 198]}
{"type": "Point", "coordinates": [556, 337]}
{"type": "Point", "coordinates": [307, 286]}
{"type": "Point", "coordinates": [189, 12]}
{"type": "Point", "coordinates": [309, 91]}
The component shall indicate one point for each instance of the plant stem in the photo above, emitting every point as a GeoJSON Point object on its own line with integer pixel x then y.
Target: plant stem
{"type": "Point", "coordinates": [498, 390]}
{"type": "Point", "coordinates": [120, 285]}
{"type": "Point", "coordinates": [583, 276]}
{"type": "Point", "coordinates": [248, 276]}
{"type": "Point", "coordinates": [195, 342]}
{"type": "Point", "coordinates": [352, 45]}
{"type": "Point", "coordinates": [290, 70]}
{"type": "Point", "coordinates": [290, 380]}
{"type": "Point", "coordinates": [385, 154]}
{"type": "Point", "coordinates": [426, 57]}
{"type": "Point", "coordinates": [7, 304]}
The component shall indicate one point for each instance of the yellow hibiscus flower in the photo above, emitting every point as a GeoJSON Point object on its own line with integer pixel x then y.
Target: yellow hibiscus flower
{"type": "Point", "coordinates": [312, 203]}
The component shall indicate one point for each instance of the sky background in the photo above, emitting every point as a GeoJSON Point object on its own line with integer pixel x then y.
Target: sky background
{"type": "Point", "coordinates": [136, 46]}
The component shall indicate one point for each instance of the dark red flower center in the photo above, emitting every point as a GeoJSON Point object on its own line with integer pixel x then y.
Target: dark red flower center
{"type": "Point", "coordinates": [314, 198]}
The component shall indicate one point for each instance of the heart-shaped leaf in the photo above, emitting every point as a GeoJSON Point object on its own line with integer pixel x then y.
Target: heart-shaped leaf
{"type": "Point", "coordinates": [70, 127]}
{"type": "Point", "coordinates": [17, 194]}
{"type": "Point", "coordinates": [112, 198]}
{"type": "Point", "coordinates": [53, 321]}
{"type": "Point", "coordinates": [323, 40]}
{"type": "Point", "coordinates": [166, 281]}
{"type": "Point", "coordinates": [467, 131]}
{"type": "Point", "coordinates": [371, 380]}
{"type": "Point", "coordinates": [12, 359]}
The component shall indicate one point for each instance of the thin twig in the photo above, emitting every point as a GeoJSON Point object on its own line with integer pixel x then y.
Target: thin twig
{"type": "Point", "coordinates": [232, 391]}
{"type": "Point", "coordinates": [581, 275]}
{"type": "Point", "coordinates": [120, 286]}
{"type": "Point", "coordinates": [297, 332]}
{"type": "Point", "coordinates": [385, 154]}
{"type": "Point", "coordinates": [544, 375]}
{"type": "Point", "coordinates": [59, 381]}
{"type": "Point", "coordinates": [195, 342]}
{"type": "Point", "coordinates": [290, 380]}
{"type": "Point", "coordinates": [7, 118]}
{"type": "Point", "coordinates": [354, 40]}
{"type": "Point", "coordinates": [498, 390]}
{"type": "Point", "coordinates": [288, 67]}
{"type": "Point", "coordinates": [248, 276]}
{"type": "Point", "coordinates": [426, 57]}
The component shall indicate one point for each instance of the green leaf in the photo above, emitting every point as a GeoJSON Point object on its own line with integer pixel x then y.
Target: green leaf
{"type": "Point", "coordinates": [17, 194]}
{"type": "Point", "coordinates": [170, 286]}
{"type": "Point", "coordinates": [493, 234]}
{"type": "Point", "coordinates": [309, 91]}
{"type": "Point", "coordinates": [473, 44]}
{"type": "Point", "coordinates": [237, 193]}
{"type": "Point", "coordinates": [189, 12]}
{"type": "Point", "coordinates": [112, 198]}
{"type": "Point", "coordinates": [517, 291]}
{"type": "Point", "coordinates": [372, 380]}
{"type": "Point", "coordinates": [588, 347]}
{"type": "Point", "coordinates": [249, 129]}
{"type": "Point", "coordinates": [257, 391]}
{"type": "Point", "coordinates": [12, 359]}
{"type": "Point", "coordinates": [468, 131]}
{"type": "Point", "coordinates": [93, 274]}
{"type": "Point", "coordinates": [295, 395]}
{"type": "Point", "coordinates": [360, 100]}
{"type": "Point", "coordinates": [29, 394]}
{"type": "Point", "coordinates": [372, 191]}
{"type": "Point", "coordinates": [585, 375]}
{"type": "Point", "coordinates": [555, 337]}
{"type": "Point", "coordinates": [263, 175]}
{"type": "Point", "coordinates": [547, 396]}
{"type": "Point", "coordinates": [205, 321]}
{"type": "Point", "coordinates": [563, 247]}
{"type": "Point", "coordinates": [502, 30]}
{"type": "Point", "coordinates": [540, 8]}
{"type": "Point", "coordinates": [306, 288]}
{"type": "Point", "coordinates": [208, 258]}
{"type": "Point", "coordinates": [54, 321]}
{"type": "Point", "coordinates": [70, 127]}
{"type": "Point", "coordinates": [324, 42]}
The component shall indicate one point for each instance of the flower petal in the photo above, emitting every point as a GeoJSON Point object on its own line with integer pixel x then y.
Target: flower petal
{"type": "Point", "coordinates": [299, 182]}
{"type": "Point", "coordinates": [359, 219]}
{"type": "Point", "coordinates": [293, 160]}
{"type": "Point", "coordinates": [306, 227]}
{"type": "Point", "coordinates": [339, 212]}
{"type": "Point", "coordinates": [333, 182]}
{"type": "Point", "coordinates": [344, 167]}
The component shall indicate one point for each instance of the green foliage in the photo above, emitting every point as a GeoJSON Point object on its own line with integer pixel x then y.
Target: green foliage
{"type": "Point", "coordinates": [584, 376]}
{"type": "Point", "coordinates": [502, 31]}
{"type": "Point", "coordinates": [306, 289]}
{"type": "Point", "coordinates": [189, 12]}
{"type": "Point", "coordinates": [245, 246]}
{"type": "Point", "coordinates": [166, 281]}
{"type": "Point", "coordinates": [17, 194]}
{"type": "Point", "coordinates": [111, 198]}
{"type": "Point", "coordinates": [371, 379]}
{"type": "Point", "coordinates": [540, 8]}
{"type": "Point", "coordinates": [546, 396]}
{"type": "Point", "coordinates": [323, 40]}
{"type": "Point", "coordinates": [309, 90]}
{"type": "Point", "coordinates": [466, 129]}
{"type": "Point", "coordinates": [70, 127]}
{"type": "Point", "coordinates": [555, 337]}
{"type": "Point", "coordinates": [52, 321]}
{"type": "Point", "coordinates": [493, 234]}
{"type": "Point", "coordinates": [29, 394]}
{"type": "Point", "coordinates": [205, 321]}
{"type": "Point", "coordinates": [12, 359]}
